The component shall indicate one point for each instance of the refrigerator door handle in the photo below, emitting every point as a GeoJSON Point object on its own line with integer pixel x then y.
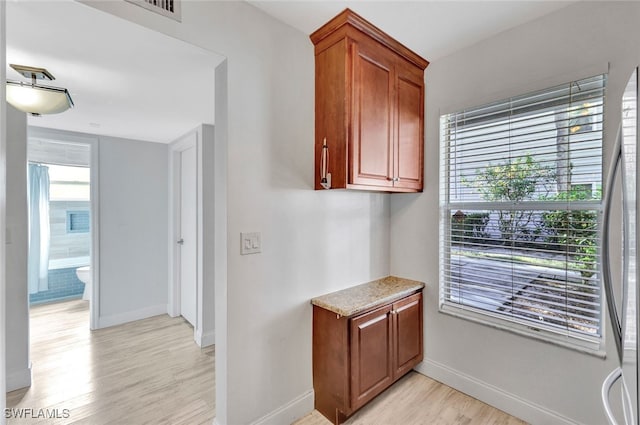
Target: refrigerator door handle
{"type": "Point", "coordinates": [606, 264]}
{"type": "Point", "coordinates": [606, 387]}
{"type": "Point", "coordinates": [627, 408]}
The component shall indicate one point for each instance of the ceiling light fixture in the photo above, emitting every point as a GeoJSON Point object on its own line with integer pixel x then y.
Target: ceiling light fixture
{"type": "Point", "coordinates": [34, 98]}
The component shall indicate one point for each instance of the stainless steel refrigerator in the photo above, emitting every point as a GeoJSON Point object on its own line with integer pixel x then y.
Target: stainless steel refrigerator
{"type": "Point", "coordinates": [624, 315]}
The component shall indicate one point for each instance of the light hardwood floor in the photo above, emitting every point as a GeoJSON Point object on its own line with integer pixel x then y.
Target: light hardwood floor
{"type": "Point", "coordinates": [418, 400]}
{"type": "Point", "coordinates": [145, 372]}
{"type": "Point", "coordinates": [151, 372]}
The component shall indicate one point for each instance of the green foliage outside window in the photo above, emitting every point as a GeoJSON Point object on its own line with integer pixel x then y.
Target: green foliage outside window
{"type": "Point", "coordinates": [575, 230]}
{"type": "Point", "coordinates": [520, 179]}
{"type": "Point", "coordinates": [569, 231]}
{"type": "Point", "coordinates": [469, 228]}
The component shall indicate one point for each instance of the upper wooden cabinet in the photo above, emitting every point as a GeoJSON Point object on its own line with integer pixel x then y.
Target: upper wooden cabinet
{"type": "Point", "coordinates": [369, 108]}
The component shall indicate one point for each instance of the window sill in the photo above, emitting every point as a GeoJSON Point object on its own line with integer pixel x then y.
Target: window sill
{"type": "Point", "coordinates": [583, 346]}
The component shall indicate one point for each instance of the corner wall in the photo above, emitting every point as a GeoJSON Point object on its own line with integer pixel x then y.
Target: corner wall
{"type": "Point", "coordinates": [538, 382]}
{"type": "Point", "coordinates": [3, 206]}
{"type": "Point", "coordinates": [18, 365]}
{"type": "Point", "coordinates": [313, 242]}
{"type": "Point", "coordinates": [134, 201]}
{"type": "Point", "coordinates": [207, 315]}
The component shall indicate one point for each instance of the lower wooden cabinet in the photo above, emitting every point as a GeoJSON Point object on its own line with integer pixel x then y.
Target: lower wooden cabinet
{"type": "Point", "coordinates": [356, 358]}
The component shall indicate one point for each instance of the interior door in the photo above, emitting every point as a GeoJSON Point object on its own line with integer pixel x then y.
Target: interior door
{"type": "Point", "coordinates": [188, 229]}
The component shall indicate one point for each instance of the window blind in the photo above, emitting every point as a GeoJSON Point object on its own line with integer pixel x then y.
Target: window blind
{"type": "Point", "coordinates": [520, 200]}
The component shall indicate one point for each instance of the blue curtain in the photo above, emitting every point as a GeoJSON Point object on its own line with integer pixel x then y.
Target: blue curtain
{"type": "Point", "coordinates": [39, 232]}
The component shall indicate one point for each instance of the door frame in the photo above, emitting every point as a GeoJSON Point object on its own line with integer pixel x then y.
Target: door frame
{"type": "Point", "coordinates": [3, 208]}
{"type": "Point", "coordinates": [218, 217]}
{"type": "Point", "coordinates": [189, 140]}
{"type": "Point", "coordinates": [70, 138]}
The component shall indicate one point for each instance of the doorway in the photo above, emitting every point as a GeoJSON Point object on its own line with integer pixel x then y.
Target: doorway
{"type": "Point", "coordinates": [63, 219]}
{"type": "Point", "coordinates": [191, 290]}
{"type": "Point", "coordinates": [102, 128]}
{"type": "Point", "coordinates": [187, 231]}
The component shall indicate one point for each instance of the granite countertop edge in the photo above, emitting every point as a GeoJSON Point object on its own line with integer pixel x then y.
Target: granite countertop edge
{"type": "Point", "coordinates": [359, 298]}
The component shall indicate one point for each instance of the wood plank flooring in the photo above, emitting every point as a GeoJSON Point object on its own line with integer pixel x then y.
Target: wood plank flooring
{"type": "Point", "coordinates": [151, 372]}
{"type": "Point", "coordinates": [145, 372]}
{"type": "Point", "coordinates": [418, 400]}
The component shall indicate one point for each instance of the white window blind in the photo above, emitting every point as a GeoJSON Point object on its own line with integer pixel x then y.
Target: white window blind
{"type": "Point", "coordinates": [520, 202]}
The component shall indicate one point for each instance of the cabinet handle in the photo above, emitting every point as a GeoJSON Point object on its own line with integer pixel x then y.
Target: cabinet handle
{"type": "Point", "coordinates": [325, 175]}
{"type": "Point", "coordinates": [393, 179]}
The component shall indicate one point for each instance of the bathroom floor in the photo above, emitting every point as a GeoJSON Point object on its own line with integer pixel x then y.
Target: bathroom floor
{"type": "Point", "coordinates": [148, 371]}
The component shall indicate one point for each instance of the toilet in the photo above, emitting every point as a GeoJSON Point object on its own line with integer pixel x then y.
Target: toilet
{"type": "Point", "coordinates": [84, 274]}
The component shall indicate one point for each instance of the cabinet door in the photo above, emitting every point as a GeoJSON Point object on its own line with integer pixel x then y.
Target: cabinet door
{"type": "Point", "coordinates": [371, 353]}
{"type": "Point", "coordinates": [409, 146]}
{"type": "Point", "coordinates": [407, 332]}
{"type": "Point", "coordinates": [371, 150]}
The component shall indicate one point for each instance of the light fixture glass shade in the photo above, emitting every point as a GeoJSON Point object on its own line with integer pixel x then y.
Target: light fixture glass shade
{"type": "Point", "coordinates": [36, 99]}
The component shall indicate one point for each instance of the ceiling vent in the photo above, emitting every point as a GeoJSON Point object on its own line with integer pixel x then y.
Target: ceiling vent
{"type": "Point", "coordinates": [168, 8]}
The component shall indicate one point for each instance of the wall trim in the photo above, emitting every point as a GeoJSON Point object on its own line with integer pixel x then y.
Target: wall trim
{"type": "Point", "coordinates": [18, 379]}
{"type": "Point", "coordinates": [289, 412]}
{"type": "Point", "coordinates": [170, 311]}
{"type": "Point", "coordinates": [492, 395]}
{"type": "Point", "coordinates": [3, 209]}
{"type": "Point", "coordinates": [130, 316]}
{"type": "Point", "coordinates": [204, 339]}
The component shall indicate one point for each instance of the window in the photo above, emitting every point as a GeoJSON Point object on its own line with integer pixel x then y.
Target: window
{"type": "Point", "coordinates": [520, 202]}
{"type": "Point", "coordinates": [78, 222]}
{"type": "Point", "coordinates": [69, 183]}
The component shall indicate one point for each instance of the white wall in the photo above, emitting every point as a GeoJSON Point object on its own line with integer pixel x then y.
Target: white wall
{"type": "Point", "coordinates": [312, 242]}
{"type": "Point", "coordinates": [133, 229]}
{"type": "Point", "coordinates": [539, 382]}
{"type": "Point", "coordinates": [207, 314]}
{"type": "Point", "coordinates": [220, 153]}
{"type": "Point", "coordinates": [3, 206]}
{"type": "Point", "coordinates": [17, 310]}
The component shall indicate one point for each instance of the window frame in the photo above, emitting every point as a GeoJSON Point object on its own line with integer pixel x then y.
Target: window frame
{"type": "Point", "coordinates": [581, 342]}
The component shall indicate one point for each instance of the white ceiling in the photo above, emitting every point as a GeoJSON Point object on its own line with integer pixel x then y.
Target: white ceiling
{"type": "Point", "coordinates": [433, 29]}
{"type": "Point", "coordinates": [125, 80]}
{"type": "Point", "coordinates": [128, 81]}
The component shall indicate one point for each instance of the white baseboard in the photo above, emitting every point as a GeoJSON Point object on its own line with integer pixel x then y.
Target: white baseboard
{"type": "Point", "coordinates": [18, 379]}
{"type": "Point", "coordinates": [130, 316]}
{"type": "Point", "coordinates": [171, 311]}
{"type": "Point", "coordinates": [205, 339]}
{"type": "Point", "coordinates": [290, 412]}
{"type": "Point", "coordinates": [492, 395]}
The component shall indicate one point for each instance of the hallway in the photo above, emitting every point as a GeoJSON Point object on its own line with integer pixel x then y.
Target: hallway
{"type": "Point", "coordinates": [148, 371]}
